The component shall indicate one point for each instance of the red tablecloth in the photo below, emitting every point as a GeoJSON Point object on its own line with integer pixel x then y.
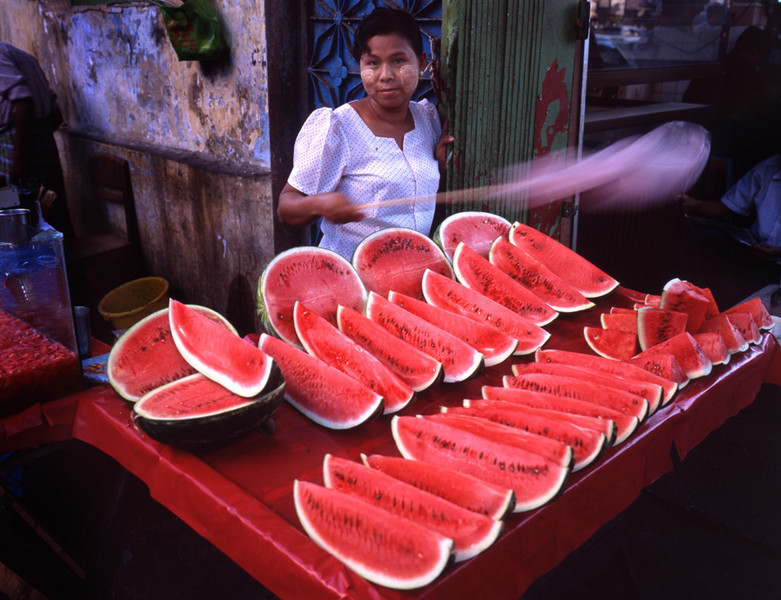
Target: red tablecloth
{"type": "Point", "coordinates": [240, 497]}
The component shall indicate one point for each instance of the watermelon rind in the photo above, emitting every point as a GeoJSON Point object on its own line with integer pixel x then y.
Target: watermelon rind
{"type": "Point", "coordinates": [460, 361]}
{"type": "Point", "coordinates": [534, 479]}
{"type": "Point", "coordinates": [395, 258]}
{"type": "Point", "coordinates": [219, 354]}
{"type": "Point", "coordinates": [476, 229]}
{"type": "Point", "coordinates": [471, 532]}
{"type": "Point", "coordinates": [145, 355]}
{"type": "Point", "coordinates": [459, 488]}
{"type": "Point", "coordinates": [323, 340]}
{"type": "Point", "coordinates": [319, 391]}
{"type": "Point", "coordinates": [318, 277]}
{"type": "Point", "coordinates": [379, 546]}
{"type": "Point", "coordinates": [582, 274]}
{"type": "Point", "coordinates": [195, 426]}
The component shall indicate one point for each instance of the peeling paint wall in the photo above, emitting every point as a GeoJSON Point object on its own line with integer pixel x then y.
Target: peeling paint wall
{"type": "Point", "coordinates": [195, 134]}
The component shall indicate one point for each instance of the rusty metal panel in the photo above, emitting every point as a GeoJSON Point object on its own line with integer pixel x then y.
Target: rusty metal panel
{"type": "Point", "coordinates": [508, 67]}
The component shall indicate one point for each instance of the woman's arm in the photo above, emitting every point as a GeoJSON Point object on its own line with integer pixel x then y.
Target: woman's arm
{"type": "Point", "coordinates": [299, 210]}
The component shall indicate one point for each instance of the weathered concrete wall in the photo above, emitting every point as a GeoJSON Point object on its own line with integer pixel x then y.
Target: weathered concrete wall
{"type": "Point", "coordinates": [195, 135]}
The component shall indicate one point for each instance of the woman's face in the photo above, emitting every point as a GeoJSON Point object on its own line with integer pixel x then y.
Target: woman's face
{"type": "Point", "coordinates": [390, 70]}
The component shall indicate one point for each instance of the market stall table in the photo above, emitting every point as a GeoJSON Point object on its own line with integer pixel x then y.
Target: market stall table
{"type": "Point", "coordinates": [239, 497]}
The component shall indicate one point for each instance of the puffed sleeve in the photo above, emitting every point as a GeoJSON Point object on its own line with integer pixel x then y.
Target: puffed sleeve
{"type": "Point", "coordinates": [320, 154]}
{"type": "Point", "coordinates": [431, 115]}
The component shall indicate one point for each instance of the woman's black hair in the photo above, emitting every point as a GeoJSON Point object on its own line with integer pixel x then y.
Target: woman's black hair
{"type": "Point", "coordinates": [384, 21]}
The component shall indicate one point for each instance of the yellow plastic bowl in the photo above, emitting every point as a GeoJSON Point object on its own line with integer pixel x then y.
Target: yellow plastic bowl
{"type": "Point", "coordinates": [127, 304]}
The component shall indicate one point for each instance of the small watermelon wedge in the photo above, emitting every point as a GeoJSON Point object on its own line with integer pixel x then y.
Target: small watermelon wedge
{"type": "Point", "coordinates": [395, 258]}
{"type": "Point", "coordinates": [655, 325]}
{"type": "Point", "coordinates": [732, 338]}
{"type": "Point", "coordinates": [476, 229]}
{"type": "Point", "coordinates": [414, 367]}
{"type": "Point", "coordinates": [757, 310]}
{"type": "Point", "coordinates": [471, 532]}
{"type": "Point", "coordinates": [744, 322]}
{"type": "Point", "coordinates": [611, 343]}
{"type": "Point", "coordinates": [219, 354]}
{"type": "Point", "coordinates": [478, 274]}
{"type": "Point", "coordinates": [534, 480]}
{"type": "Point", "coordinates": [662, 364]}
{"type": "Point", "coordinates": [683, 296]}
{"type": "Point", "coordinates": [408, 556]}
{"type": "Point", "coordinates": [589, 280]}
{"type": "Point", "coordinates": [459, 299]}
{"type": "Point", "coordinates": [326, 342]}
{"type": "Point", "coordinates": [623, 321]}
{"type": "Point", "coordinates": [713, 346]}
{"type": "Point", "coordinates": [459, 360]}
{"type": "Point", "coordinates": [686, 351]}
{"type": "Point", "coordinates": [539, 279]}
{"type": "Point", "coordinates": [493, 344]}
{"type": "Point", "coordinates": [322, 393]}
{"type": "Point", "coordinates": [464, 490]}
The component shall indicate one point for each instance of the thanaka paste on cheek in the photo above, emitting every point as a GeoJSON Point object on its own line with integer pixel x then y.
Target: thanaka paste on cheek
{"type": "Point", "coordinates": [409, 77]}
{"type": "Point", "coordinates": [368, 76]}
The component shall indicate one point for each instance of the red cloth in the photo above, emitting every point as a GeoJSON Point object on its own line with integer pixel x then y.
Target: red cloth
{"type": "Point", "coordinates": [240, 497]}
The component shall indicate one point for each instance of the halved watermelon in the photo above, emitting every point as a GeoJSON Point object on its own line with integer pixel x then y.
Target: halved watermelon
{"type": "Point", "coordinates": [655, 325]}
{"type": "Point", "coordinates": [580, 389]}
{"type": "Point", "coordinates": [459, 360]}
{"type": "Point", "coordinates": [587, 444]}
{"type": "Point", "coordinates": [380, 547]}
{"type": "Point", "coordinates": [598, 425]}
{"type": "Point", "coordinates": [732, 338]}
{"type": "Point", "coordinates": [686, 351]}
{"type": "Point", "coordinates": [326, 342]}
{"type": "Point", "coordinates": [745, 324]}
{"type": "Point", "coordinates": [652, 392]}
{"type": "Point", "coordinates": [611, 343]}
{"type": "Point", "coordinates": [476, 273]}
{"type": "Point", "coordinates": [196, 412]}
{"type": "Point", "coordinates": [476, 229]}
{"type": "Point", "coordinates": [757, 310]}
{"type": "Point", "coordinates": [494, 345]}
{"type": "Point", "coordinates": [565, 262]}
{"type": "Point", "coordinates": [414, 367]}
{"type": "Point", "coordinates": [459, 299]}
{"type": "Point", "coordinates": [395, 258]}
{"type": "Point", "coordinates": [535, 480]}
{"type": "Point", "coordinates": [713, 347]}
{"type": "Point", "coordinates": [320, 278]}
{"type": "Point", "coordinates": [319, 391]}
{"type": "Point", "coordinates": [459, 488]}
{"type": "Point", "coordinates": [625, 424]}
{"type": "Point", "coordinates": [219, 354]}
{"type": "Point", "coordinates": [145, 356]}
{"type": "Point", "coordinates": [535, 276]}
{"type": "Point", "coordinates": [684, 296]}
{"type": "Point", "coordinates": [614, 367]}
{"type": "Point", "coordinates": [471, 532]}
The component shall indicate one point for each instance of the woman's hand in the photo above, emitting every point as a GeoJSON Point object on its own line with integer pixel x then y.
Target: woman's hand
{"type": "Point", "coordinates": [299, 210]}
{"type": "Point", "coordinates": [768, 252]}
{"type": "Point", "coordinates": [441, 150]}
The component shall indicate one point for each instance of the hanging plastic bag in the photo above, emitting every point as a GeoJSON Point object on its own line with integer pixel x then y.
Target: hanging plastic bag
{"type": "Point", "coordinates": [193, 29]}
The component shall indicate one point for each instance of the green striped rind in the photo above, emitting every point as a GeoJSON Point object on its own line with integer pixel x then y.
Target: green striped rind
{"type": "Point", "coordinates": [319, 278]}
{"type": "Point", "coordinates": [379, 546]}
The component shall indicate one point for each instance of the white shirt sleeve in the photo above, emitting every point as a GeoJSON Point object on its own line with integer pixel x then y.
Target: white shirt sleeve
{"type": "Point", "coordinates": [320, 154]}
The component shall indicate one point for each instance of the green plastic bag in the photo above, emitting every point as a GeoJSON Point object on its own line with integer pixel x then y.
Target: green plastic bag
{"type": "Point", "coordinates": [194, 30]}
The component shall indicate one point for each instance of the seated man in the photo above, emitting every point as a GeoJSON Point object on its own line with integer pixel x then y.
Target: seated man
{"type": "Point", "coordinates": [757, 194]}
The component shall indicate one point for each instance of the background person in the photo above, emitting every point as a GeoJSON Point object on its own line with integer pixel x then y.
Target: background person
{"type": "Point", "coordinates": [382, 147]}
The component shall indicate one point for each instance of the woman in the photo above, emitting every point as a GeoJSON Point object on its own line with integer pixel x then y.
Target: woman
{"type": "Point", "coordinates": [379, 148]}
